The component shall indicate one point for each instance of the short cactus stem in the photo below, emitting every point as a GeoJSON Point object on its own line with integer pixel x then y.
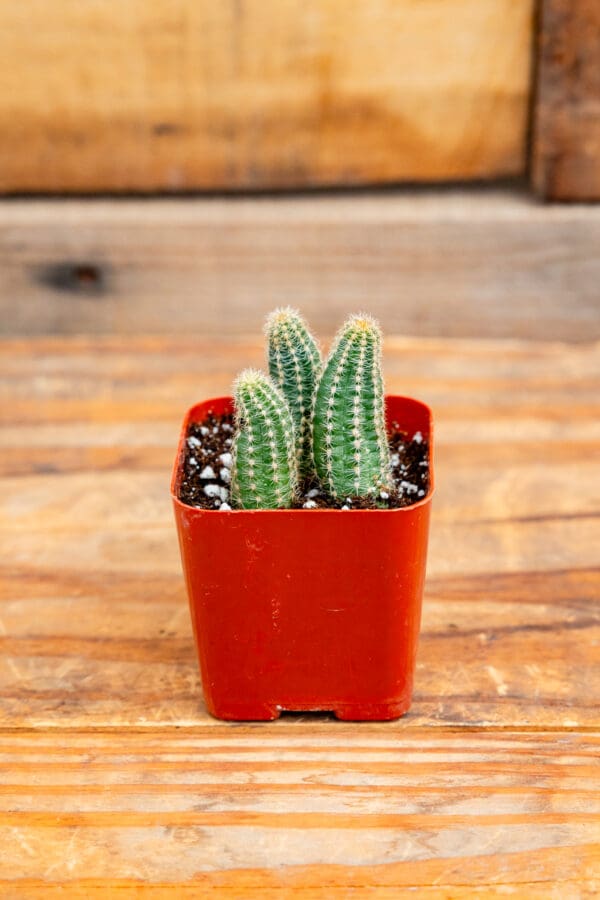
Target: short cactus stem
{"type": "Point", "coordinates": [294, 365]}
{"type": "Point", "coordinates": [264, 466]}
{"type": "Point", "coordinates": [350, 446]}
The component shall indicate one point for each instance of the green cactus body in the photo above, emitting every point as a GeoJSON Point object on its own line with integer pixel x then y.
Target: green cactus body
{"type": "Point", "coordinates": [294, 365]}
{"type": "Point", "coordinates": [264, 467]}
{"type": "Point", "coordinates": [350, 446]}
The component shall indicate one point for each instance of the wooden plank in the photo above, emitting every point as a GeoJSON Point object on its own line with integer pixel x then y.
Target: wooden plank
{"type": "Point", "coordinates": [300, 808]}
{"type": "Point", "coordinates": [559, 889]}
{"type": "Point", "coordinates": [266, 93]}
{"type": "Point", "coordinates": [485, 264]}
{"type": "Point", "coordinates": [113, 779]}
{"type": "Point", "coordinates": [566, 146]}
{"type": "Point", "coordinates": [95, 624]}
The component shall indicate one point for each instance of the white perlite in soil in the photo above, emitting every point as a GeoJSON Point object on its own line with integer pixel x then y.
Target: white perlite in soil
{"type": "Point", "coordinates": [215, 490]}
{"type": "Point", "coordinates": [410, 475]}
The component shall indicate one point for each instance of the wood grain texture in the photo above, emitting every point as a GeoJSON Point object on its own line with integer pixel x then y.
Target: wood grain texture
{"type": "Point", "coordinates": [488, 263]}
{"type": "Point", "coordinates": [566, 146]}
{"type": "Point", "coordinates": [304, 808]}
{"type": "Point", "coordinates": [107, 96]}
{"type": "Point", "coordinates": [96, 629]}
{"type": "Point", "coordinates": [113, 779]}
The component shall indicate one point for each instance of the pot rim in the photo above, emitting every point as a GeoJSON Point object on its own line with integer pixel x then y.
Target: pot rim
{"type": "Point", "coordinates": [293, 512]}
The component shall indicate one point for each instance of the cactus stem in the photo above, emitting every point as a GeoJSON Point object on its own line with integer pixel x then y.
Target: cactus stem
{"type": "Point", "coordinates": [300, 388]}
{"type": "Point", "coordinates": [350, 447]}
{"type": "Point", "coordinates": [357, 410]}
{"type": "Point", "coordinates": [263, 401]}
{"type": "Point", "coordinates": [294, 363]}
{"type": "Point", "coordinates": [264, 469]}
{"type": "Point", "coordinates": [329, 424]}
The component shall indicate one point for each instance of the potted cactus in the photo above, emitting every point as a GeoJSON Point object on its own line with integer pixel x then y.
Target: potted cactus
{"type": "Point", "coordinates": [302, 507]}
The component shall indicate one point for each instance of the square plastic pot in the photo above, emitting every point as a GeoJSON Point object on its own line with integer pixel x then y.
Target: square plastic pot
{"type": "Point", "coordinates": [306, 609]}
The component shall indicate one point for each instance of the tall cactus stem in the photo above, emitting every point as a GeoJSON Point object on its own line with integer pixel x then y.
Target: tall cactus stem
{"type": "Point", "coordinates": [294, 365]}
{"type": "Point", "coordinates": [350, 447]}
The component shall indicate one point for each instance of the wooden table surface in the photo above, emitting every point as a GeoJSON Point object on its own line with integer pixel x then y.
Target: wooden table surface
{"type": "Point", "coordinates": [113, 779]}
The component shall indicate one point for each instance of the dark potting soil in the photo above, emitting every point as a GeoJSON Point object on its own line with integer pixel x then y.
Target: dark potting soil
{"type": "Point", "coordinates": [207, 471]}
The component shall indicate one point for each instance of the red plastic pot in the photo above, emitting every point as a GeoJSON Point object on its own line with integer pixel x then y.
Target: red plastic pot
{"type": "Point", "coordinates": [306, 609]}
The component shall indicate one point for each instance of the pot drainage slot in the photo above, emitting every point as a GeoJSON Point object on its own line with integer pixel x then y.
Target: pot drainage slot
{"type": "Point", "coordinates": [314, 714]}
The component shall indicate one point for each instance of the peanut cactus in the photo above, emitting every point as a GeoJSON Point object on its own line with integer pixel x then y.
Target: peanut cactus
{"type": "Point", "coordinates": [264, 472]}
{"type": "Point", "coordinates": [294, 365]}
{"type": "Point", "coordinates": [350, 446]}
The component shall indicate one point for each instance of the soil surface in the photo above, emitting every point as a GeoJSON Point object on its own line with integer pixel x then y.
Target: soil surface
{"type": "Point", "coordinates": [207, 471]}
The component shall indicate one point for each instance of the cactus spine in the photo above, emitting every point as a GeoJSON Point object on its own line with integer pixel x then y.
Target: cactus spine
{"type": "Point", "coordinates": [264, 467]}
{"type": "Point", "coordinates": [350, 446]}
{"type": "Point", "coordinates": [294, 365]}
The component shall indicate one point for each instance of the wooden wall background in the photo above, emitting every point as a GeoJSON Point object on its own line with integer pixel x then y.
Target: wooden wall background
{"type": "Point", "coordinates": [463, 263]}
{"type": "Point", "coordinates": [566, 135]}
{"type": "Point", "coordinates": [176, 95]}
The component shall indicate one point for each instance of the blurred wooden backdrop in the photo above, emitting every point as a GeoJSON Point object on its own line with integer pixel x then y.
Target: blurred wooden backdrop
{"type": "Point", "coordinates": [456, 262]}
{"type": "Point", "coordinates": [180, 95]}
{"type": "Point", "coordinates": [184, 94]}
{"type": "Point", "coordinates": [254, 96]}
